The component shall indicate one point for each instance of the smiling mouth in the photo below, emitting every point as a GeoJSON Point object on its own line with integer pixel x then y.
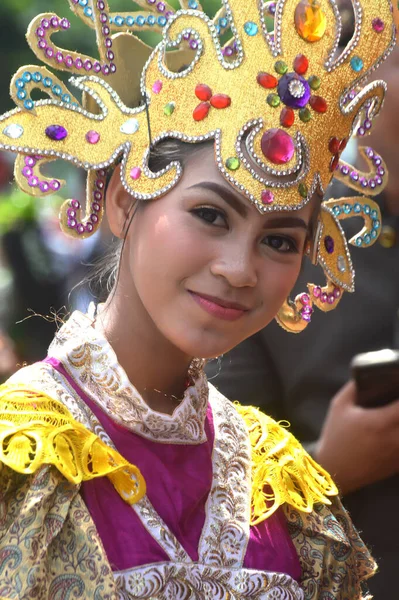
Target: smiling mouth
{"type": "Point", "coordinates": [219, 308]}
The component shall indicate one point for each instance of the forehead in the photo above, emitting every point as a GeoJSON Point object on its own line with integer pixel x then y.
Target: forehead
{"type": "Point", "coordinates": [201, 166]}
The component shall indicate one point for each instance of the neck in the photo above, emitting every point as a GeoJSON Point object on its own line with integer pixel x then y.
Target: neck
{"type": "Point", "coordinates": [156, 368]}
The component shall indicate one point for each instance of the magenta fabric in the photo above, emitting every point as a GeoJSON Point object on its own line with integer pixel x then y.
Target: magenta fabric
{"type": "Point", "coordinates": [178, 479]}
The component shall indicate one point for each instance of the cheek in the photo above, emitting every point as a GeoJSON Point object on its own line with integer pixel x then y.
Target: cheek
{"type": "Point", "coordinates": [277, 283]}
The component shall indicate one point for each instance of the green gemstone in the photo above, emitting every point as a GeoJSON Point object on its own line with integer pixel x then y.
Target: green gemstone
{"type": "Point", "coordinates": [281, 67]}
{"type": "Point", "coordinates": [314, 82]}
{"type": "Point", "coordinates": [303, 190]}
{"type": "Point", "coordinates": [169, 108]}
{"type": "Point", "coordinates": [233, 163]}
{"type": "Point", "coordinates": [305, 115]}
{"type": "Point", "coordinates": [273, 100]}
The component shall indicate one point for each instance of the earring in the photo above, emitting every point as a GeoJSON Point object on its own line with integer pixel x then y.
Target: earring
{"type": "Point", "coordinates": [295, 316]}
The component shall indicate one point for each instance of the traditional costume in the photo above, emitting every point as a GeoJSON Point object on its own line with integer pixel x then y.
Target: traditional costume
{"type": "Point", "coordinates": [100, 496]}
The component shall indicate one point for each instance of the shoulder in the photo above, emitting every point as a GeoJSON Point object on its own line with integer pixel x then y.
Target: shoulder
{"type": "Point", "coordinates": [335, 561]}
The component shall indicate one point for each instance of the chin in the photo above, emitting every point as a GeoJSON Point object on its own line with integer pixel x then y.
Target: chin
{"type": "Point", "coordinates": [205, 345]}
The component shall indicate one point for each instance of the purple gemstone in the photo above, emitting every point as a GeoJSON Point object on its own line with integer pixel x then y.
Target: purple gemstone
{"type": "Point", "coordinates": [331, 299]}
{"type": "Point", "coordinates": [329, 244]}
{"type": "Point", "coordinates": [42, 44]}
{"type": "Point", "coordinates": [55, 184]}
{"type": "Point", "coordinates": [294, 90]}
{"type": "Point", "coordinates": [33, 181]}
{"type": "Point", "coordinates": [370, 152]}
{"type": "Point", "coordinates": [69, 60]}
{"type": "Point", "coordinates": [305, 299]}
{"type": "Point", "coordinates": [27, 172]}
{"type": "Point", "coordinates": [372, 184]}
{"type": "Point", "coordinates": [30, 161]}
{"type": "Point", "coordinates": [361, 131]}
{"type": "Point", "coordinates": [100, 184]}
{"type": "Point", "coordinates": [78, 63]}
{"type": "Point", "coordinates": [105, 69]}
{"type": "Point", "coordinates": [96, 207]}
{"type": "Point", "coordinates": [59, 57]}
{"type": "Point", "coordinates": [106, 30]}
{"type": "Point", "coordinates": [88, 65]}
{"type": "Point", "coordinates": [377, 161]}
{"type": "Point", "coordinates": [363, 182]}
{"type": "Point", "coordinates": [98, 195]}
{"type": "Point", "coordinates": [193, 44]}
{"type": "Point", "coordinates": [186, 35]}
{"type": "Point", "coordinates": [54, 22]}
{"type": "Point", "coordinates": [49, 52]}
{"type": "Point", "coordinates": [110, 55]}
{"type": "Point", "coordinates": [72, 223]}
{"type": "Point", "coordinates": [103, 18]}
{"type": "Point", "coordinates": [40, 32]}
{"type": "Point", "coordinates": [94, 218]}
{"type": "Point", "coordinates": [345, 170]}
{"type": "Point", "coordinates": [228, 51]}
{"type": "Point", "coordinates": [101, 173]}
{"type": "Point", "coordinates": [368, 124]}
{"type": "Point", "coordinates": [381, 171]}
{"type": "Point", "coordinates": [324, 297]}
{"type": "Point", "coordinates": [169, 14]}
{"type": "Point", "coordinates": [89, 227]}
{"type": "Point", "coordinates": [100, 5]}
{"type": "Point", "coordinates": [354, 176]}
{"type": "Point", "coordinates": [378, 25]}
{"type": "Point", "coordinates": [337, 292]}
{"type": "Point", "coordinates": [96, 67]}
{"type": "Point", "coordinates": [80, 228]}
{"type": "Point", "coordinates": [44, 186]}
{"type": "Point", "coordinates": [306, 316]}
{"type": "Point", "coordinates": [108, 43]}
{"type": "Point", "coordinates": [378, 180]}
{"type": "Point", "coordinates": [112, 68]}
{"type": "Point", "coordinates": [75, 204]}
{"type": "Point", "coordinates": [317, 292]}
{"type": "Point", "coordinates": [45, 23]}
{"type": "Point", "coordinates": [56, 132]}
{"type": "Point", "coordinates": [65, 24]}
{"type": "Point", "coordinates": [161, 7]}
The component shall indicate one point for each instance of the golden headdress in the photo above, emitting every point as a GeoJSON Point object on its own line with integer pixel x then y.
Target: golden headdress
{"type": "Point", "coordinates": [280, 107]}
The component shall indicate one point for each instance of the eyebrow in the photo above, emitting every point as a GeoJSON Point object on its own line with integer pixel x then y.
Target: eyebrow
{"type": "Point", "coordinates": [272, 223]}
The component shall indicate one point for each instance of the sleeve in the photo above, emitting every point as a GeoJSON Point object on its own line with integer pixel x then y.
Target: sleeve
{"type": "Point", "coordinates": [335, 561]}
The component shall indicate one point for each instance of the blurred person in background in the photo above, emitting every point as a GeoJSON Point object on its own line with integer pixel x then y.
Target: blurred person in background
{"type": "Point", "coordinates": [306, 382]}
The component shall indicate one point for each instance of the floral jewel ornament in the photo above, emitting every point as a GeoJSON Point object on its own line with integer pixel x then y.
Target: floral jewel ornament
{"type": "Point", "coordinates": [279, 107]}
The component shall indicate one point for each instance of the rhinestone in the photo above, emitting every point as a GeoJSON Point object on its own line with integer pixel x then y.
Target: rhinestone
{"type": "Point", "coordinates": [314, 82]}
{"type": "Point", "coordinates": [277, 146]}
{"type": "Point", "coordinates": [233, 163]}
{"type": "Point", "coordinates": [356, 64]}
{"type": "Point", "coordinates": [130, 126]}
{"type": "Point", "coordinates": [329, 244]}
{"type": "Point", "coordinates": [267, 197]}
{"type": "Point", "coordinates": [303, 190]}
{"type": "Point", "coordinates": [251, 28]}
{"type": "Point", "coordinates": [310, 20]}
{"type": "Point", "coordinates": [169, 109]}
{"type": "Point", "coordinates": [341, 264]}
{"type": "Point", "coordinates": [56, 132]}
{"type": "Point", "coordinates": [305, 115]}
{"type": "Point", "coordinates": [296, 88]}
{"type": "Point", "coordinates": [13, 131]}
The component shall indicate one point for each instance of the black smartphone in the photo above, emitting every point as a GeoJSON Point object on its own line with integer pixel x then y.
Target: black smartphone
{"type": "Point", "coordinates": [377, 377]}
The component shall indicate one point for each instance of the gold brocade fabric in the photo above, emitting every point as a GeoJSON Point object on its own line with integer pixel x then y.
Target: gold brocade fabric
{"type": "Point", "coordinates": [36, 430]}
{"type": "Point", "coordinates": [282, 471]}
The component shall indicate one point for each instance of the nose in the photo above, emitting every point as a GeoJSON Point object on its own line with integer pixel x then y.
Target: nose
{"type": "Point", "coordinates": [236, 264]}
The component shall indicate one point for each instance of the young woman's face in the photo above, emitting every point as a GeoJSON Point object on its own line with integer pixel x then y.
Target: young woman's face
{"type": "Point", "coordinates": [208, 268]}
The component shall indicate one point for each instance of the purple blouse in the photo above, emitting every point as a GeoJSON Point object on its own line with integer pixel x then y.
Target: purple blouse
{"type": "Point", "coordinates": [178, 478]}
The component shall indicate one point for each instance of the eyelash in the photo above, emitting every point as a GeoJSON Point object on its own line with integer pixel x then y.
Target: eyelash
{"type": "Point", "coordinates": [214, 213]}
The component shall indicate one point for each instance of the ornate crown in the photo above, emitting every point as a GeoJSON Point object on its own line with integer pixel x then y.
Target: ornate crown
{"type": "Point", "coordinates": [280, 107]}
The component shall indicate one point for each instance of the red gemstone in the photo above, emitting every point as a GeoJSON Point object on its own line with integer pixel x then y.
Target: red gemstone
{"type": "Point", "coordinates": [301, 64]}
{"type": "Point", "coordinates": [334, 163]}
{"type": "Point", "coordinates": [201, 111]}
{"type": "Point", "coordinates": [343, 145]}
{"type": "Point", "coordinates": [267, 81]}
{"type": "Point", "coordinates": [203, 92]}
{"type": "Point", "coordinates": [318, 104]}
{"type": "Point", "coordinates": [287, 117]}
{"type": "Point", "coordinates": [334, 145]}
{"type": "Point", "coordinates": [277, 146]}
{"type": "Point", "coordinates": [220, 101]}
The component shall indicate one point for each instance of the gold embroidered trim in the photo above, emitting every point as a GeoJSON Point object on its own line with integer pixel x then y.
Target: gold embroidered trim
{"type": "Point", "coordinates": [36, 429]}
{"type": "Point", "coordinates": [282, 471]}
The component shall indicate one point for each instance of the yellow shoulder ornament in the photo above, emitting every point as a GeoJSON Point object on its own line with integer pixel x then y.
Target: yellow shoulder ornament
{"type": "Point", "coordinates": [36, 430]}
{"type": "Point", "coordinates": [282, 471]}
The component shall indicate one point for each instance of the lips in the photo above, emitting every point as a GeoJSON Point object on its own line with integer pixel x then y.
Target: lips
{"type": "Point", "coordinates": [218, 307]}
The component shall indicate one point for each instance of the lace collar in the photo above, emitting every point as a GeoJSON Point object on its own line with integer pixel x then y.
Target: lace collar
{"type": "Point", "coordinates": [92, 363]}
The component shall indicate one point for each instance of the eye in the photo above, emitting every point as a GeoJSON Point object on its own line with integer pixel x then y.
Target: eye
{"type": "Point", "coordinates": [281, 243]}
{"type": "Point", "coordinates": [210, 215]}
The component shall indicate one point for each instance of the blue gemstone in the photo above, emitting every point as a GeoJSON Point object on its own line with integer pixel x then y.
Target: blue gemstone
{"type": "Point", "coordinates": [374, 214]}
{"type": "Point", "coordinates": [28, 104]}
{"type": "Point", "coordinates": [162, 21]}
{"type": "Point", "coordinates": [251, 28]}
{"type": "Point", "coordinates": [357, 209]}
{"type": "Point", "coordinates": [366, 209]}
{"type": "Point", "coordinates": [83, 2]}
{"type": "Point", "coordinates": [376, 224]}
{"type": "Point", "coordinates": [57, 90]}
{"type": "Point", "coordinates": [218, 29]}
{"type": "Point", "coordinates": [130, 21]}
{"type": "Point", "coordinates": [347, 209]}
{"type": "Point", "coordinates": [119, 20]}
{"type": "Point", "coordinates": [66, 98]}
{"type": "Point", "coordinates": [88, 11]}
{"type": "Point", "coordinates": [356, 64]}
{"type": "Point", "coordinates": [193, 4]}
{"type": "Point", "coordinates": [140, 20]}
{"type": "Point", "coordinates": [37, 76]}
{"type": "Point", "coordinates": [336, 211]}
{"type": "Point", "coordinates": [27, 77]}
{"type": "Point", "coordinates": [21, 94]}
{"type": "Point", "coordinates": [374, 234]}
{"type": "Point", "coordinates": [285, 85]}
{"type": "Point", "coordinates": [48, 82]}
{"type": "Point", "coordinates": [367, 239]}
{"type": "Point", "coordinates": [20, 84]}
{"type": "Point", "coordinates": [151, 20]}
{"type": "Point", "coordinates": [359, 241]}
{"type": "Point", "coordinates": [223, 22]}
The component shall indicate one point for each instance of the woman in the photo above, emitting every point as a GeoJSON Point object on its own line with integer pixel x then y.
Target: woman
{"type": "Point", "coordinates": [125, 473]}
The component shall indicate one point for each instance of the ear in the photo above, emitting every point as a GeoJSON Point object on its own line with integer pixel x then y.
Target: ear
{"type": "Point", "coordinates": [119, 205]}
